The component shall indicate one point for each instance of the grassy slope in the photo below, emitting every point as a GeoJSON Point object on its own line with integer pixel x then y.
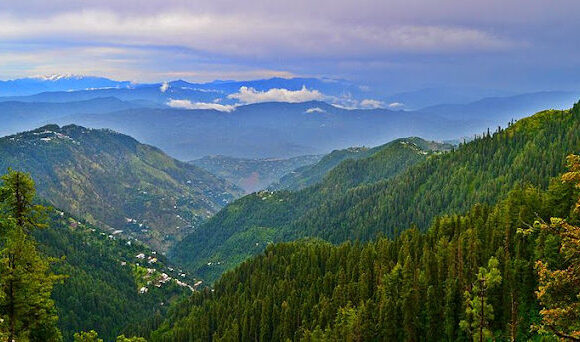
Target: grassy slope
{"type": "Point", "coordinates": [106, 178]}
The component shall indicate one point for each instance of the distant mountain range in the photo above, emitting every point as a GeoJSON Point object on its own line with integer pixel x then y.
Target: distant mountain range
{"type": "Point", "coordinates": [81, 88]}
{"type": "Point", "coordinates": [193, 120]}
{"type": "Point", "coordinates": [266, 130]}
{"type": "Point", "coordinates": [35, 85]}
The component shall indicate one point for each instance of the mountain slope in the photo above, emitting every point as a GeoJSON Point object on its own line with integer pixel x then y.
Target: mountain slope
{"type": "Point", "coordinates": [410, 288]}
{"type": "Point", "coordinates": [312, 174]}
{"type": "Point", "coordinates": [113, 181]}
{"type": "Point", "coordinates": [102, 288]}
{"type": "Point", "coordinates": [342, 207]}
{"type": "Point", "coordinates": [244, 227]}
{"type": "Point", "coordinates": [252, 174]}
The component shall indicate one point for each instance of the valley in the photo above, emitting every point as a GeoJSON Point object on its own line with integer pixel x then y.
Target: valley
{"type": "Point", "coordinates": [289, 171]}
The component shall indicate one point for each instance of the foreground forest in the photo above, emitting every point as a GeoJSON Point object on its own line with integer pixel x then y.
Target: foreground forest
{"type": "Point", "coordinates": [508, 272]}
{"type": "Point", "coordinates": [59, 275]}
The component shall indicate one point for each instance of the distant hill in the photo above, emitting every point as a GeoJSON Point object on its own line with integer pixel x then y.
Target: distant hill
{"type": "Point", "coordinates": [421, 98]}
{"type": "Point", "coordinates": [244, 227]}
{"type": "Point", "coordinates": [312, 174]}
{"type": "Point", "coordinates": [114, 181]}
{"type": "Point", "coordinates": [23, 116]}
{"type": "Point", "coordinates": [252, 174]}
{"type": "Point", "coordinates": [492, 109]}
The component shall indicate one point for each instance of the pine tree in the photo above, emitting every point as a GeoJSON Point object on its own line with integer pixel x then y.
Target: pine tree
{"type": "Point", "coordinates": [26, 309]}
{"type": "Point", "coordinates": [87, 336]}
{"type": "Point", "coordinates": [122, 338]}
{"type": "Point", "coordinates": [559, 287]}
{"type": "Point", "coordinates": [478, 311]}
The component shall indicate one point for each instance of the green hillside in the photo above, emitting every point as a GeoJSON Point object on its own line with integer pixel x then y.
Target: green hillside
{"type": "Point", "coordinates": [411, 288]}
{"type": "Point", "coordinates": [115, 182]}
{"type": "Point", "coordinates": [244, 228]}
{"type": "Point", "coordinates": [105, 278]}
{"type": "Point", "coordinates": [313, 174]}
{"type": "Point", "coordinates": [358, 200]}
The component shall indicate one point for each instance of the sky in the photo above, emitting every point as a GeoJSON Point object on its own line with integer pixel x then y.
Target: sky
{"type": "Point", "coordinates": [396, 45]}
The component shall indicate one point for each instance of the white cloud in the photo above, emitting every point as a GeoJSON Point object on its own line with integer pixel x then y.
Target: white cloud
{"type": "Point", "coordinates": [164, 87]}
{"type": "Point", "coordinates": [187, 104]}
{"type": "Point", "coordinates": [371, 104]}
{"type": "Point", "coordinates": [315, 110]}
{"type": "Point", "coordinates": [395, 105]}
{"type": "Point", "coordinates": [249, 95]}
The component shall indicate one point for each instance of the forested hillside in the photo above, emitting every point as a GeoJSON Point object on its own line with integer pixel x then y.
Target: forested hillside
{"type": "Point", "coordinates": [112, 180]}
{"type": "Point", "coordinates": [312, 174]}
{"type": "Point", "coordinates": [108, 287]}
{"type": "Point", "coordinates": [245, 227]}
{"type": "Point", "coordinates": [59, 275]}
{"type": "Point", "coordinates": [468, 277]}
{"type": "Point", "coordinates": [360, 199]}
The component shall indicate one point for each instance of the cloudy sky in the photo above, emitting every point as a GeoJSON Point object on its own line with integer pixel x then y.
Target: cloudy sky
{"type": "Point", "coordinates": [399, 45]}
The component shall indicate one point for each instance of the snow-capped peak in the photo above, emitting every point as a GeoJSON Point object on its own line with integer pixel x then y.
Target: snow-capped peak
{"type": "Point", "coordinates": [56, 77]}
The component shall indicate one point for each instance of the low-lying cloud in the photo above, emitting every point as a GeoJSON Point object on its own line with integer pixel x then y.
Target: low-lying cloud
{"type": "Point", "coordinates": [247, 95]}
{"type": "Point", "coordinates": [372, 104]}
{"type": "Point", "coordinates": [187, 104]}
{"type": "Point", "coordinates": [396, 105]}
{"type": "Point", "coordinates": [315, 110]}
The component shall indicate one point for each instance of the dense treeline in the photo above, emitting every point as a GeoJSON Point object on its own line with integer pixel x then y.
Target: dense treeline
{"type": "Point", "coordinates": [483, 171]}
{"type": "Point", "coordinates": [468, 276]}
{"type": "Point", "coordinates": [359, 199]}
